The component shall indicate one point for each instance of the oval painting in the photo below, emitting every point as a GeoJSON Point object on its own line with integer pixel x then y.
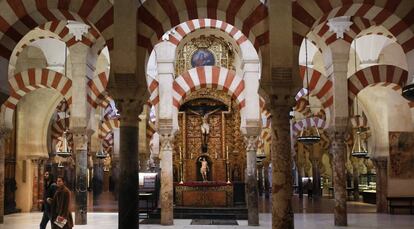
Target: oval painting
{"type": "Point", "coordinates": [202, 57]}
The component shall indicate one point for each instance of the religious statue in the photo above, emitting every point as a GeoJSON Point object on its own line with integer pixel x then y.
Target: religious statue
{"type": "Point", "coordinates": [204, 167]}
{"type": "Point", "coordinates": [205, 127]}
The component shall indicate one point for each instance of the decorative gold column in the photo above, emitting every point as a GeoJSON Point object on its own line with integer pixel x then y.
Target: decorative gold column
{"type": "Point", "coordinates": [381, 166]}
{"type": "Point", "coordinates": [35, 167]}
{"type": "Point", "coordinates": [338, 150]}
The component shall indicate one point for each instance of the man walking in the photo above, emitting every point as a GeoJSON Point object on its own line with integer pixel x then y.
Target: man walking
{"type": "Point", "coordinates": [49, 190]}
{"type": "Point", "coordinates": [61, 214]}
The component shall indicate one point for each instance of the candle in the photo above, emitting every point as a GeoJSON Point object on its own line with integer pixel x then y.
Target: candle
{"type": "Point", "coordinates": [181, 156]}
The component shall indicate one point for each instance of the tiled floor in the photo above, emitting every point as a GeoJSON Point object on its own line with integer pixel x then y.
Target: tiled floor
{"type": "Point", "coordinates": [308, 221]}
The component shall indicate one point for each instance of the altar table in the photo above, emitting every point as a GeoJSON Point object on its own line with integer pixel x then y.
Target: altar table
{"type": "Point", "coordinates": [204, 194]}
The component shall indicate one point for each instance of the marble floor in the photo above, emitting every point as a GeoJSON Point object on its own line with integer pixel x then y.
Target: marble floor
{"type": "Point", "coordinates": [308, 221]}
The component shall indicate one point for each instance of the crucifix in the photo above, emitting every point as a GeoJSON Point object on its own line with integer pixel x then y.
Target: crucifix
{"type": "Point", "coordinates": [205, 127]}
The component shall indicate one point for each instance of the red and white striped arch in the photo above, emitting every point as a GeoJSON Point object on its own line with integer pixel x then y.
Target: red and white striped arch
{"type": "Point", "coordinates": [19, 17]}
{"type": "Point", "coordinates": [328, 37]}
{"type": "Point", "coordinates": [153, 90]}
{"type": "Point", "coordinates": [188, 27]}
{"type": "Point", "coordinates": [308, 122]}
{"type": "Point", "coordinates": [107, 127]}
{"type": "Point", "coordinates": [394, 15]}
{"type": "Point", "coordinates": [320, 85]}
{"type": "Point", "coordinates": [30, 80]}
{"type": "Point", "coordinates": [96, 93]}
{"type": "Point", "coordinates": [157, 17]}
{"type": "Point", "coordinates": [208, 77]}
{"type": "Point", "coordinates": [375, 74]}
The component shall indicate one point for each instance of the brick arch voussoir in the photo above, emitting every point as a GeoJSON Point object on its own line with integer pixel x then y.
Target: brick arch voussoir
{"type": "Point", "coordinates": [385, 74]}
{"type": "Point", "coordinates": [37, 13]}
{"type": "Point", "coordinates": [208, 77]}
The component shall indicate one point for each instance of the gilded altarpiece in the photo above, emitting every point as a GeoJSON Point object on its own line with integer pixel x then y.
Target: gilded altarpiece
{"type": "Point", "coordinates": [224, 134]}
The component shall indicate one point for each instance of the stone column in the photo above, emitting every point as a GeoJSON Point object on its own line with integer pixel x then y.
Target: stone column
{"type": "Point", "coordinates": [277, 81]}
{"type": "Point", "coordinates": [381, 166]}
{"type": "Point", "coordinates": [167, 188]}
{"type": "Point", "coordinates": [251, 181]}
{"type": "Point", "coordinates": [142, 141]}
{"type": "Point", "coordinates": [80, 143]}
{"type": "Point", "coordinates": [355, 177]}
{"type": "Point", "coordinates": [316, 177]}
{"type": "Point", "coordinates": [282, 186]}
{"type": "Point", "coordinates": [35, 167]}
{"type": "Point", "coordinates": [266, 180]}
{"type": "Point", "coordinates": [338, 73]}
{"type": "Point", "coordinates": [4, 133]}
{"type": "Point", "coordinates": [128, 163]}
{"type": "Point", "coordinates": [338, 150]}
{"type": "Point", "coordinates": [260, 177]}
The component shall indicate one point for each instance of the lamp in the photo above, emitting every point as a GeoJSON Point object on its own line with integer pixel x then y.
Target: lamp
{"type": "Point", "coordinates": [101, 153]}
{"type": "Point", "coordinates": [309, 135]}
{"type": "Point", "coordinates": [358, 149]}
{"type": "Point", "coordinates": [65, 152]}
{"type": "Point", "coordinates": [408, 92]}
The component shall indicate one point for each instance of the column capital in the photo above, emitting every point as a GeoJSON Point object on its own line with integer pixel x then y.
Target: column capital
{"type": "Point", "coordinates": [129, 109]}
{"type": "Point", "coordinates": [77, 29]}
{"type": "Point", "coordinates": [251, 142]}
{"type": "Point", "coordinates": [166, 141]}
{"type": "Point", "coordinates": [81, 137]}
{"type": "Point", "coordinates": [339, 25]}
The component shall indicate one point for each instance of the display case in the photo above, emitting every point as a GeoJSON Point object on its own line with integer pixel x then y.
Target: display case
{"type": "Point", "coordinates": [368, 187]}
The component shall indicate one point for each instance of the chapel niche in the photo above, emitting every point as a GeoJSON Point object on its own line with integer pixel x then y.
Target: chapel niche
{"type": "Point", "coordinates": [224, 134]}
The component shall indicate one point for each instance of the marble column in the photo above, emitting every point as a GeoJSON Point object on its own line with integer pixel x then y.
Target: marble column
{"type": "Point", "coordinates": [251, 181]}
{"type": "Point", "coordinates": [4, 133]}
{"type": "Point", "coordinates": [128, 163]}
{"type": "Point", "coordinates": [282, 181]}
{"type": "Point", "coordinates": [80, 143]}
{"type": "Point", "coordinates": [381, 166]}
{"type": "Point", "coordinates": [277, 81]}
{"type": "Point", "coordinates": [35, 167]}
{"type": "Point", "coordinates": [166, 193]}
{"type": "Point", "coordinates": [338, 150]}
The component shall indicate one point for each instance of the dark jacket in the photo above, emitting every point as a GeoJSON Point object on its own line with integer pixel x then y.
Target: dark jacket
{"type": "Point", "coordinates": [61, 207]}
{"type": "Point", "coordinates": [48, 192]}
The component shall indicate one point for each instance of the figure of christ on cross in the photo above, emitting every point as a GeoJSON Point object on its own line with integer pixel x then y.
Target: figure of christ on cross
{"type": "Point", "coordinates": [205, 127]}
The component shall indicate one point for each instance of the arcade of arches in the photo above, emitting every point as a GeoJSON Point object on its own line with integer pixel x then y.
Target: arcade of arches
{"type": "Point", "coordinates": [166, 106]}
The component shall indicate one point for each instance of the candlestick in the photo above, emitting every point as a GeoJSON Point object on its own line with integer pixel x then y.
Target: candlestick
{"type": "Point", "coordinates": [227, 153]}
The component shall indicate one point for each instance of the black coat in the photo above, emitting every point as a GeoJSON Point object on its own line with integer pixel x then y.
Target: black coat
{"type": "Point", "coordinates": [48, 192]}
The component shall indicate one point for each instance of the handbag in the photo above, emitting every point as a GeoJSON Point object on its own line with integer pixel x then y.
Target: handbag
{"type": "Point", "coordinates": [60, 223]}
